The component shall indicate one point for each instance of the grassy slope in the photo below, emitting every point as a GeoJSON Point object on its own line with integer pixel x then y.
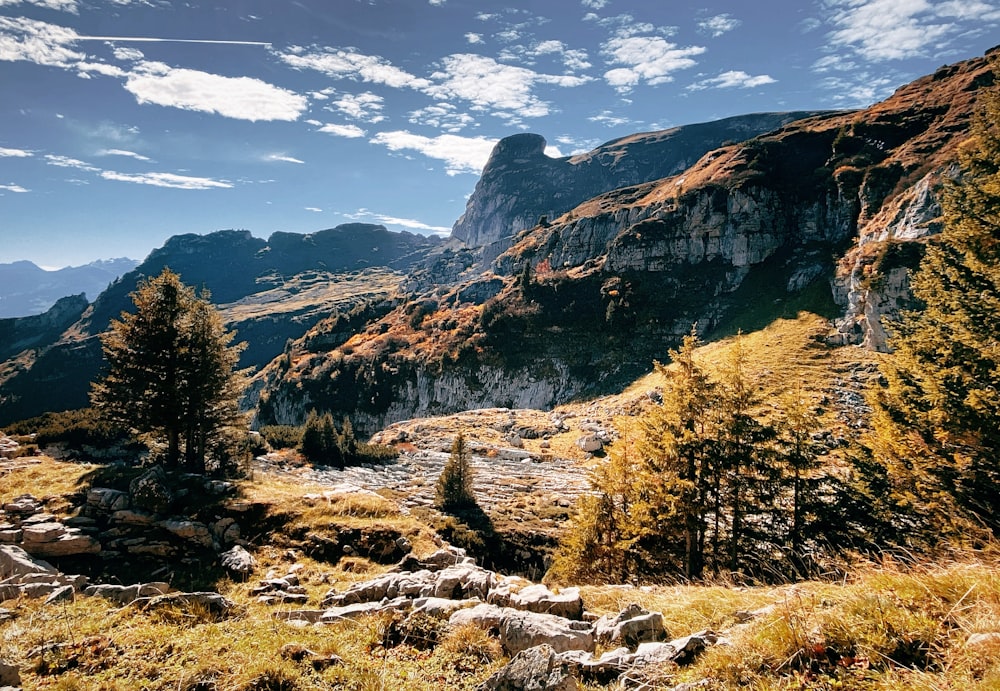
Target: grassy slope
{"type": "Point", "coordinates": [884, 627]}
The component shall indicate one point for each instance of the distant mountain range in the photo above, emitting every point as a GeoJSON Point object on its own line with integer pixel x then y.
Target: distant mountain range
{"type": "Point", "coordinates": [27, 289]}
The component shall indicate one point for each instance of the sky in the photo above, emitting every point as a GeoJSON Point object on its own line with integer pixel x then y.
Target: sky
{"type": "Point", "coordinates": [123, 122]}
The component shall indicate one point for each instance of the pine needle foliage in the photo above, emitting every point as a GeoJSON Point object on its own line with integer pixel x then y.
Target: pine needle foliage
{"type": "Point", "coordinates": [937, 416]}
{"type": "Point", "coordinates": [712, 481]}
{"type": "Point", "coordinates": [171, 370]}
{"type": "Point", "coordinates": [454, 486]}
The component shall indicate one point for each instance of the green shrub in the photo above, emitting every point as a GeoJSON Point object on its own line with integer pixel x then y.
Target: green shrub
{"type": "Point", "coordinates": [75, 428]}
{"type": "Point", "coordinates": [282, 436]}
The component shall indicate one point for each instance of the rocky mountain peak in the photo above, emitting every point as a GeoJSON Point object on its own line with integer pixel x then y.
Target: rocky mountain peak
{"type": "Point", "coordinates": [520, 184]}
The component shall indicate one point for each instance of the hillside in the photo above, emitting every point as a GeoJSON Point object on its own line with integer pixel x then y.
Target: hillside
{"type": "Point", "coordinates": [809, 216]}
{"type": "Point", "coordinates": [270, 291]}
{"type": "Point", "coordinates": [347, 583]}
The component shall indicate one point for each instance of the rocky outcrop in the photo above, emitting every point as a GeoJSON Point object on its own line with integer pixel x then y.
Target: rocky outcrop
{"type": "Point", "coordinates": [521, 185]}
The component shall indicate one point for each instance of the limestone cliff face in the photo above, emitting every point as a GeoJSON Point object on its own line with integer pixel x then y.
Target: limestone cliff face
{"type": "Point", "coordinates": [520, 184]}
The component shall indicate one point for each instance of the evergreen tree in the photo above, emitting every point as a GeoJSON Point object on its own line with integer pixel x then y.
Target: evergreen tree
{"type": "Point", "coordinates": [321, 443]}
{"type": "Point", "coordinates": [749, 481]}
{"type": "Point", "coordinates": [170, 369]}
{"type": "Point", "coordinates": [454, 485]}
{"type": "Point", "coordinates": [936, 417]}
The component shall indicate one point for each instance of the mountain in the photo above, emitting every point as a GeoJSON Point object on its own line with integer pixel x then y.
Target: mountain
{"type": "Point", "coordinates": [824, 213]}
{"type": "Point", "coordinates": [27, 289]}
{"type": "Point", "coordinates": [269, 291]}
{"type": "Point", "coordinates": [520, 184]}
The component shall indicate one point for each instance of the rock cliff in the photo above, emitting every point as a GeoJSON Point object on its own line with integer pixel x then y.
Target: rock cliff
{"type": "Point", "coordinates": [521, 184]}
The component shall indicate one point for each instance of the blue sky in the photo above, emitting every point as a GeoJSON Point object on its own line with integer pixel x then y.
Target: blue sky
{"type": "Point", "coordinates": [123, 122]}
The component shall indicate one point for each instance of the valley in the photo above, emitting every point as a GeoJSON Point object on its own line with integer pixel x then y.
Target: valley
{"type": "Point", "coordinates": [725, 394]}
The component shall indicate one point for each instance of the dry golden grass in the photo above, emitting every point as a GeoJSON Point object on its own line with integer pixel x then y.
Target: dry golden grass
{"type": "Point", "coordinates": [43, 477]}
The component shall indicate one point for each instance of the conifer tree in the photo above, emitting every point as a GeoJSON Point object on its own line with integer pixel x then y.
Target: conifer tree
{"type": "Point", "coordinates": [936, 418]}
{"type": "Point", "coordinates": [454, 485]}
{"type": "Point", "coordinates": [748, 483]}
{"type": "Point", "coordinates": [170, 369]}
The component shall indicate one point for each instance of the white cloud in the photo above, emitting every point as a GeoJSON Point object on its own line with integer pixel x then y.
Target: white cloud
{"type": "Point", "coordinates": [733, 79]}
{"type": "Point", "coordinates": [625, 25]}
{"type": "Point", "coordinates": [879, 30]}
{"type": "Point", "coordinates": [594, 4]}
{"type": "Point", "coordinates": [123, 152]}
{"type": "Point", "coordinates": [23, 39]}
{"type": "Point", "coordinates": [460, 154]}
{"type": "Point", "coordinates": [282, 158]}
{"type": "Point", "coordinates": [574, 59]}
{"type": "Point", "coordinates": [58, 5]}
{"type": "Point", "coordinates": [646, 58]}
{"type": "Point", "coordinates": [413, 224]}
{"type": "Point", "coordinates": [577, 146]}
{"type": "Point", "coordinates": [85, 68]}
{"type": "Point", "coordinates": [242, 98]}
{"type": "Point", "coordinates": [503, 90]}
{"type": "Point", "coordinates": [128, 54]}
{"type": "Point", "coordinates": [349, 131]}
{"type": "Point", "coordinates": [349, 64]}
{"type": "Point", "coordinates": [314, 209]}
{"type": "Point", "coordinates": [15, 153]}
{"type": "Point", "coordinates": [608, 118]}
{"type": "Point", "coordinates": [860, 90]}
{"type": "Point", "coordinates": [437, 3]}
{"type": "Point", "coordinates": [67, 162]}
{"type": "Point", "coordinates": [719, 24]}
{"type": "Point", "coordinates": [443, 116]}
{"type": "Point", "coordinates": [180, 182]}
{"type": "Point", "coordinates": [364, 106]}
{"type": "Point", "coordinates": [13, 188]}
{"type": "Point", "coordinates": [474, 38]}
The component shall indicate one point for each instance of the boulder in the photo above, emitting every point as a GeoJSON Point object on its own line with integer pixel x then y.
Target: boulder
{"type": "Point", "coordinates": [566, 603]}
{"type": "Point", "coordinates": [22, 505]}
{"type": "Point", "coordinates": [107, 500]}
{"type": "Point", "coordinates": [522, 630]}
{"type": "Point", "coordinates": [63, 593]}
{"type": "Point", "coordinates": [360, 609]}
{"type": "Point", "coordinates": [14, 561]}
{"type": "Point", "coordinates": [534, 669]}
{"type": "Point", "coordinates": [485, 616]}
{"type": "Point", "coordinates": [68, 544]}
{"type": "Point", "coordinates": [42, 532]}
{"type": "Point", "coordinates": [465, 581]}
{"type": "Point", "coordinates": [151, 491]}
{"type": "Point", "coordinates": [632, 626]}
{"type": "Point", "coordinates": [439, 607]}
{"type": "Point", "coordinates": [124, 594]}
{"type": "Point", "coordinates": [238, 561]}
{"type": "Point", "coordinates": [191, 531]}
{"type": "Point", "coordinates": [590, 443]}
{"type": "Point", "coordinates": [9, 534]}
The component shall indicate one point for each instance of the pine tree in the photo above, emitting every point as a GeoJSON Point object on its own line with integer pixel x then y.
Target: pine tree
{"type": "Point", "coordinates": [748, 483]}
{"type": "Point", "coordinates": [454, 485]}
{"type": "Point", "coordinates": [170, 369]}
{"type": "Point", "coordinates": [936, 418]}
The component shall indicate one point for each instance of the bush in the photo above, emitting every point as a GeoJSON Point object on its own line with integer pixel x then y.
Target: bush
{"type": "Point", "coordinates": [75, 428]}
{"type": "Point", "coordinates": [282, 436]}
